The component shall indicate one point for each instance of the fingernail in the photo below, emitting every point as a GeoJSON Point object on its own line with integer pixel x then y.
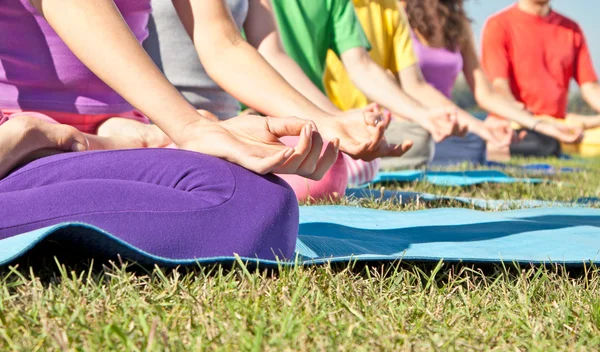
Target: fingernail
{"type": "Point", "coordinates": [78, 147]}
{"type": "Point", "coordinates": [308, 130]}
{"type": "Point", "coordinates": [289, 153]}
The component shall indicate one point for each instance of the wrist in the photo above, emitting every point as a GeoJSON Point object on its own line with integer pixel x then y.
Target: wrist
{"type": "Point", "coordinates": [479, 129]}
{"type": "Point", "coordinates": [534, 125]}
{"type": "Point", "coordinates": [187, 127]}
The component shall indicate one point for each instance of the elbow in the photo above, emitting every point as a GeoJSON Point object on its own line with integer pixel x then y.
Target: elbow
{"type": "Point", "coordinates": [357, 63]}
{"type": "Point", "coordinates": [590, 91]}
{"type": "Point", "coordinates": [482, 101]}
{"type": "Point", "coordinates": [215, 56]}
{"type": "Point", "coordinates": [214, 48]}
{"type": "Point", "coordinates": [273, 55]}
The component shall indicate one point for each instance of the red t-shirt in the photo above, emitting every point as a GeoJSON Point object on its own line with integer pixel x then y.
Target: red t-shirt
{"type": "Point", "coordinates": [538, 55]}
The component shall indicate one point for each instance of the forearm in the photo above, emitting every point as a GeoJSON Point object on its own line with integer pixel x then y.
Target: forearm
{"type": "Point", "coordinates": [586, 121]}
{"type": "Point", "coordinates": [591, 94]}
{"type": "Point", "coordinates": [254, 82]}
{"type": "Point", "coordinates": [235, 65]}
{"type": "Point", "coordinates": [294, 75]}
{"type": "Point", "coordinates": [502, 106]}
{"type": "Point", "coordinates": [432, 98]}
{"type": "Point", "coordinates": [97, 34]}
{"type": "Point", "coordinates": [502, 90]}
{"type": "Point", "coordinates": [383, 89]}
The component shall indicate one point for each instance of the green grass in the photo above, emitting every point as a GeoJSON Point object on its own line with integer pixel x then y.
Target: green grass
{"type": "Point", "coordinates": [395, 306]}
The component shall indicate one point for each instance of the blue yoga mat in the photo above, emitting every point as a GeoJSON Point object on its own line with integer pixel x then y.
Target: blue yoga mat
{"type": "Point", "coordinates": [451, 178]}
{"type": "Point", "coordinates": [534, 169]}
{"type": "Point", "coordinates": [409, 197]}
{"type": "Point", "coordinates": [340, 234]}
{"type": "Point", "coordinates": [563, 235]}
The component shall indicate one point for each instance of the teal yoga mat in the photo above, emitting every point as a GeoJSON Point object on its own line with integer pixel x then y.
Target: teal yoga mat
{"type": "Point", "coordinates": [341, 234]}
{"type": "Point", "coordinates": [451, 178]}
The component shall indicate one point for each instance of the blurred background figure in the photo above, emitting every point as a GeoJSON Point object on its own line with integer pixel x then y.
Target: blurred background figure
{"type": "Point", "coordinates": [531, 52]}
{"type": "Point", "coordinates": [395, 48]}
{"type": "Point", "coordinates": [310, 29]}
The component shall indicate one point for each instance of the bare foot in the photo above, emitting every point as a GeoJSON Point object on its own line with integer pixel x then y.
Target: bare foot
{"type": "Point", "coordinates": [123, 133]}
{"type": "Point", "coordinates": [26, 138]}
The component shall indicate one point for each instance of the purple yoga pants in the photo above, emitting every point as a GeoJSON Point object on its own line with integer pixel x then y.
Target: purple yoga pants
{"type": "Point", "coordinates": [170, 203]}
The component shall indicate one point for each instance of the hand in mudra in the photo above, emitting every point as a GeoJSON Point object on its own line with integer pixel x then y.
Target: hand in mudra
{"type": "Point", "coordinates": [361, 133]}
{"type": "Point", "coordinates": [253, 143]}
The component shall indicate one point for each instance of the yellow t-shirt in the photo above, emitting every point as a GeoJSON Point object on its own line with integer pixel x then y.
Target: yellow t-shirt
{"type": "Point", "coordinates": [387, 28]}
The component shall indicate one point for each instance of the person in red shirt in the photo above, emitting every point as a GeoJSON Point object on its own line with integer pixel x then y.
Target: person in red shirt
{"type": "Point", "coordinates": [531, 52]}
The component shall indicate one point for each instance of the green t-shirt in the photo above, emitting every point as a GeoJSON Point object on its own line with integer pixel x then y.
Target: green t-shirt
{"type": "Point", "coordinates": [309, 28]}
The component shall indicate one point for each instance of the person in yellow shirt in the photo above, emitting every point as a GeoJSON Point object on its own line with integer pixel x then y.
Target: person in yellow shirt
{"type": "Point", "coordinates": [391, 48]}
{"type": "Point", "coordinates": [388, 30]}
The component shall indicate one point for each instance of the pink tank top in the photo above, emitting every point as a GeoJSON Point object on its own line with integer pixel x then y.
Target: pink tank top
{"type": "Point", "coordinates": [39, 72]}
{"type": "Point", "coordinates": [440, 66]}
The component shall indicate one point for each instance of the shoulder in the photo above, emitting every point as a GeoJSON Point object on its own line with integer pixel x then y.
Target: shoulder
{"type": "Point", "coordinates": [386, 9]}
{"type": "Point", "coordinates": [500, 18]}
{"type": "Point", "coordinates": [565, 21]}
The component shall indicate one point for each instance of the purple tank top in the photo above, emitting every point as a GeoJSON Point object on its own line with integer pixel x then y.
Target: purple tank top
{"type": "Point", "coordinates": [440, 66]}
{"type": "Point", "coordinates": [39, 72]}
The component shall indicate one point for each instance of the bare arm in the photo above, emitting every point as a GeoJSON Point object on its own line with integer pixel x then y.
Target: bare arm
{"type": "Point", "coordinates": [500, 102]}
{"type": "Point", "coordinates": [118, 59]}
{"type": "Point", "coordinates": [415, 85]}
{"type": "Point", "coordinates": [251, 80]}
{"type": "Point", "coordinates": [257, 84]}
{"type": "Point", "coordinates": [261, 32]}
{"type": "Point", "coordinates": [508, 109]}
{"type": "Point", "coordinates": [591, 93]}
{"type": "Point", "coordinates": [382, 88]}
{"type": "Point", "coordinates": [374, 82]}
{"type": "Point", "coordinates": [96, 33]}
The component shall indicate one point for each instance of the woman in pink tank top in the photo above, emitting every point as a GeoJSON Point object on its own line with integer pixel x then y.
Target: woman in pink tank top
{"type": "Point", "coordinates": [79, 64]}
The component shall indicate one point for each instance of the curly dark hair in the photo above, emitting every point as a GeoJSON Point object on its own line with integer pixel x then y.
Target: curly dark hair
{"type": "Point", "coordinates": [452, 19]}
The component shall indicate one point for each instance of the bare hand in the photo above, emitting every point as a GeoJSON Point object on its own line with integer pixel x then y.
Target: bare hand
{"type": "Point", "coordinates": [502, 127]}
{"type": "Point", "coordinates": [361, 133]}
{"type": "Point", "coordinates": [499, 136]}
{"type": "Point", "coordinates": [563, 133]}
{"type": "Point", "coordinates": [443, 123]}
{"type": "Point", "coordinates": [253, 142]}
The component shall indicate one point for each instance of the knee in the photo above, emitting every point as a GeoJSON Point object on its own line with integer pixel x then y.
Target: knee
{"type": "Point", "coordinates": [536, 145]}
{"type": "Point", "coordinates": [419, 155]}
{"type": "Point", "coordinates": [331, 186]}
{"type": "Point", "coordinates": [265, 215]}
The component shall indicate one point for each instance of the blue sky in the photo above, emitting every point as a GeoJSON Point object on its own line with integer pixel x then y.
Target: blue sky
{"type": "Point", "coordinates": [585, 12]}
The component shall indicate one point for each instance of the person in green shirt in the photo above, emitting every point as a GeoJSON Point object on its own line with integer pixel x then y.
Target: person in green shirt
{"type": "Point", "coordinates": [310, 28]}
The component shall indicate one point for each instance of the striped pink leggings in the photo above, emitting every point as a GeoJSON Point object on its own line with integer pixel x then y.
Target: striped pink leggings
{"type": "Point", "coordinates": [361, 172]}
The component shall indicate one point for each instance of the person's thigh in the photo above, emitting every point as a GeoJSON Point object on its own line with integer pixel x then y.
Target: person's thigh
{"type": "Point", "coordinates": [171, 203]}
{"type": "Point", "coordinates": [421, 152]}
{"type": "Point", "coordinates": [455, 150]}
